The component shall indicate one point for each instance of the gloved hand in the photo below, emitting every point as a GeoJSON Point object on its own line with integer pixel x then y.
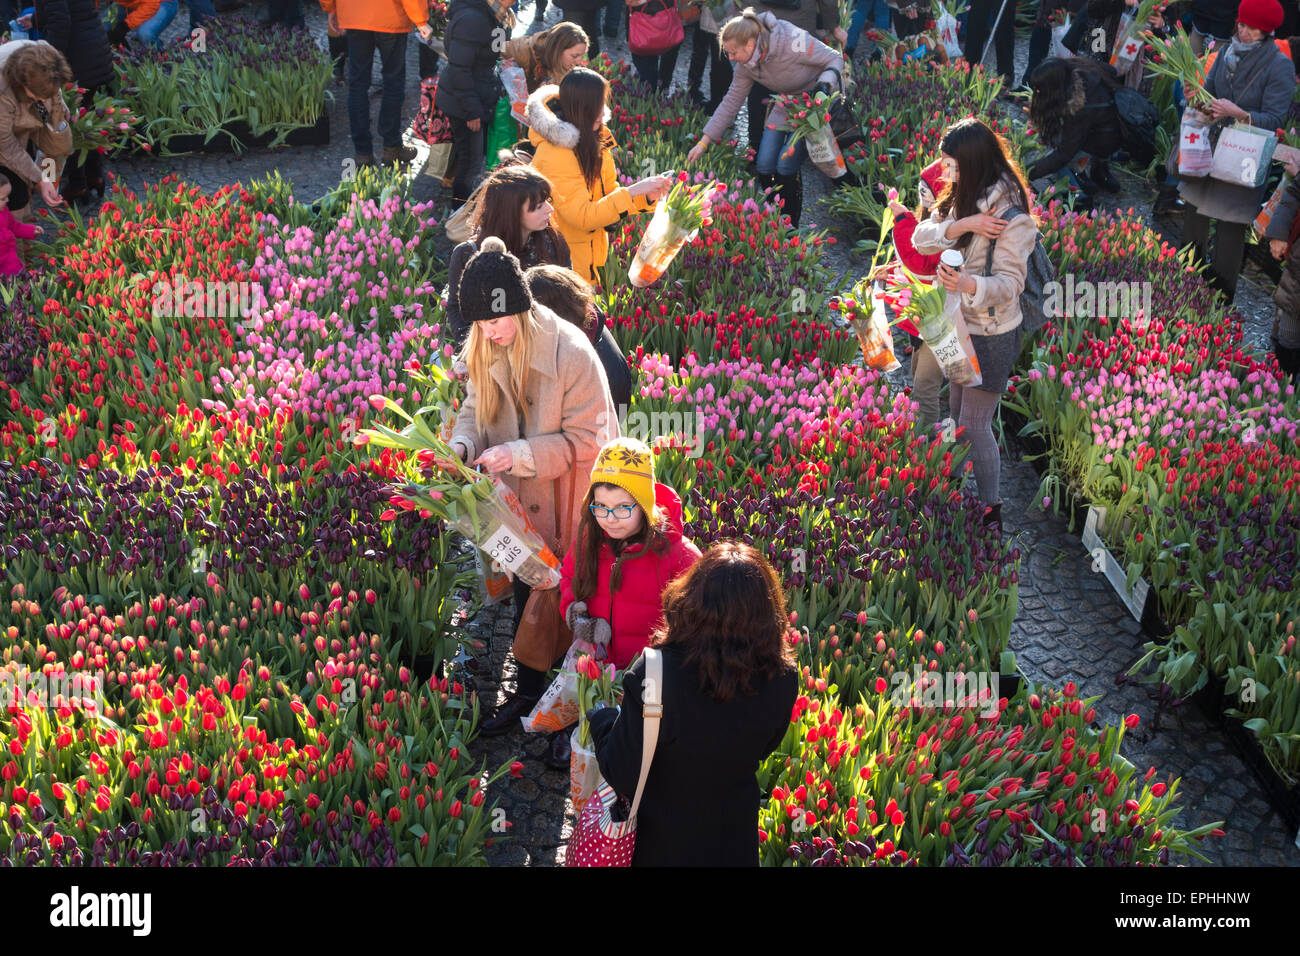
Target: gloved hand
{"type": "Point", "coordinates": [600, 632]}
{"type": "Point", "coordinates": [576, 610]}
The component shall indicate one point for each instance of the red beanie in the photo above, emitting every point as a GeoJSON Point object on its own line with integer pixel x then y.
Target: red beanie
{"type": "Point", "coordinates": [1263, 15]}
{"type": "Point", "coordinates": [932, 183]}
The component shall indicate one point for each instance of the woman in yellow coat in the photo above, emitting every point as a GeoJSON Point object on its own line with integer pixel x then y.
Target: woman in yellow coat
{"type": "Point", "coordinates": [574, 151]}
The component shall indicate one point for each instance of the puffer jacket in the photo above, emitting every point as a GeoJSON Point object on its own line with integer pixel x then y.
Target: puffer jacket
{"type": "Point", "coordinates": [570, 419]}
{"type": "Point", "coordinates": [468, 87]}
{"type": "Point", "coordinates": [582, 210]}
{"type": "Point", "coordinates": [74, 28]}
{"type": "Point", "coordinates": [786, 60]}
{"type": "Point", "coordinates": [637, 610]}
{"type": "Point", "coordinates": [1091, 124]}
{"type": "Point", "coordinates": [994, 307]}
{"type": "Point", "coordinates": [1263, 85]}
{"type": "Point", "coordinates": [379, 16]}
{"type": "Point", "coordinates": [19, 124]}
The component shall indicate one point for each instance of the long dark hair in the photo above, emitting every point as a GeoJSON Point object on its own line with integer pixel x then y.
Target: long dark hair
{"type": "Point", "coordinates": [507, 192]}
{"type": "Point", "coordinates": [1053, 85]}
{"type": "Point", "coordinates": [983, 160]}
{"type": "Point", "coordinates": [565, 293]}
{"type": "Point", "coordinates": [583, 94]}
{"type": "Point", "coordinates": [728, 613]}
{"type": "Point", "coordinates": [591, 538]}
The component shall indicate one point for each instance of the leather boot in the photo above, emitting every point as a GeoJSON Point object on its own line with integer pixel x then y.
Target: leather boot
{"type": "Point", "coordinates": [791, 188]}
{"type": "Point", "coordinates": [1101, 175]}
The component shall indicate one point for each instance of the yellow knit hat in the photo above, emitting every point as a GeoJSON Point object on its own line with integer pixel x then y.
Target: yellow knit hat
{"type": "Point", "coordinates": [629, 464]}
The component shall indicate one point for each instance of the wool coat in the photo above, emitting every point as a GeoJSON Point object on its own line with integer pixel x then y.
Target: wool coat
{"type": "Point", "coordinates": [701, 799]}
{"type": "Point", "coordinates": [1263, 85]}
{"type": "Point", "coordinates": [994, 306]}
{"type": "Point", "coordinates": [570, 417]}
{"type": "Point", "coordinates": [582, 209]}
{"type": "Point", "coordinates": [637, 610]}
{"type": "Point", "coordinates": [19, 124]}
{"type": "Point", "coordinates": [787, 60]}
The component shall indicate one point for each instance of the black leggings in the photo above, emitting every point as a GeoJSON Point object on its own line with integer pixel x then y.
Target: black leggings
{"type": "Point", "coordinates": [1229, 248]}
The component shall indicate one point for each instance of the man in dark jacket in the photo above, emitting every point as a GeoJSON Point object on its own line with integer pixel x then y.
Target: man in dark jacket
{"type": "Point", "coordinates": [468, 87]}
{"type": "Point", "coordinates": [74, 28]}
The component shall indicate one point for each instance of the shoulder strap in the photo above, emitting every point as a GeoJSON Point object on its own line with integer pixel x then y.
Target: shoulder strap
{"type": "Point", "coordinates": [1011, 212]}
{"type": "Point", "coordinates": [652, 710]}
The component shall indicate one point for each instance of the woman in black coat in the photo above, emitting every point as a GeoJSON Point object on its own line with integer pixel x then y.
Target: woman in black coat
{"type": "Point", "coordinates": [74, 28]}
{"type": "Point", "coordinates": [730, 683]}
{"type": "Point", "coordinates": [468, 88]}
{"type": "Point", "coordinates": [1073, 110]}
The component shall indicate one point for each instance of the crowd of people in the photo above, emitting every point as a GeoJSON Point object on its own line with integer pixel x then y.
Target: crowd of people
{"type": "Point", "coordinates": [545, 377]}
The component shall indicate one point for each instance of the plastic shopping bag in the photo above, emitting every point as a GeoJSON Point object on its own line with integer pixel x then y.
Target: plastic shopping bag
{"type": "Point", "coordinates": [558, 707]}
{"type": "Point", "coordinates": [505, 533]}
{"type": "Point", "coordinates": [825, 152]}
{"type": "Point", "coordinates": [584, 773]}
{"type": "Point", "coordinates": [1194, 154]}
{"type": "Point", "coordinates": [1058, 48]}
{"type": "Point", "coordinates": [502, 134]}
{"type": "Point", "coordinates": [876, 337]}
{"type": "Point", "coordinates": [950, 342]}
{"type": "Point", "coordinates": [516, 84]}
{"type": "Point", "coordinates": [1242, 155]}
{"type": "Point", "coordinates": [947, 27]}
{"type": "Point", "coordinates": [1265, 216]}
{"type": "Point", "coordinates": [659, 247]}
{"type": "Point", "coordinates": [493, 581]}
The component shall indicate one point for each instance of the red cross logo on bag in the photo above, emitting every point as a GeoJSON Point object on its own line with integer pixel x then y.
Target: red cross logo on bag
{"type": "Point", "coordinates": [1193, 137]}
{"type": "Point", "coordinates": [1131, 48]}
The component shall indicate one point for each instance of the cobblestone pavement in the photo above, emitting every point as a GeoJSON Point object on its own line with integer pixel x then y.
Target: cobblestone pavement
{"type": "Point", "coordinates": [1071, 626]}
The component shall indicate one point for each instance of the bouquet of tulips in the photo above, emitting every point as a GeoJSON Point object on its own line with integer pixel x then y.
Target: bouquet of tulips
{"type": "Point", "coordinates": [1175, 58]}
{"type": "Point", "coordinates": [938, 317]}
{"type": "Point", "coordinates": [483, 509]}
{"type": "Point", "coordinates": [810, 120]}
{"type": "Point", "coordinates": [595, 684]}
{"type": "Point", "coordinates": [864, 308]}
{"type": "Point", "coordinates": [677, 219]}
{"type": "Point", "coordinates": [105, 125]}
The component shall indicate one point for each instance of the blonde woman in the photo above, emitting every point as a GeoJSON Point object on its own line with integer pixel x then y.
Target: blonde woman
{"type": "Point", "coordinates": [537, 412]}
{"type": "Point", "coordinates": [785, 59]}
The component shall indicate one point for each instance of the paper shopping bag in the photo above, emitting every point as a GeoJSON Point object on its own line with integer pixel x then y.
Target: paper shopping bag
{"type": "Point", "coordinates": [1242, 155]}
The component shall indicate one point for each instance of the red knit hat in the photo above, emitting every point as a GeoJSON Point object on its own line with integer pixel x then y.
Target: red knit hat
{"type": "Point", "coordinates": [1263, 15]}
{"type": "Point", "coordinates": [932, 183]}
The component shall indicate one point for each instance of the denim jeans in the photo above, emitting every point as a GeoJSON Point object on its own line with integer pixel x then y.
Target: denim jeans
{"type": "Point", "coordinates": [612, 18]}
{"type": "Point", "coordinates": [200, 10]}
{"type": "Point", "coordinates": [656, 72]}
{"type": "Point", "coordinates": [362, 45]}
{"type": "Point", "coordinates": [771, 154]}
{"type": "Point", "coordinates": [877, 10]}
{"type": "Point", "coordinates": [151, 29]}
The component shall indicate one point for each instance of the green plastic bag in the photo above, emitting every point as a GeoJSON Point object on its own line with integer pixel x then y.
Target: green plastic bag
{"type": "Point", "coordinates": [503, 134]}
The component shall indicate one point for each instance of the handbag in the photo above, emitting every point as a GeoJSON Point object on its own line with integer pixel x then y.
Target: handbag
{"type": "Point", "coordinates": [845, 126]}
{"type": "Point", "coordinates": [651, 34]}
{"type": "Point", "coordinates": [598, 839]}
{"type": "Point", "coordinates": [542, 637]}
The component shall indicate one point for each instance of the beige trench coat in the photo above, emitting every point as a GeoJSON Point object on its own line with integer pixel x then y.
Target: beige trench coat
{"type": "Point", "coordinates": [571, 417]}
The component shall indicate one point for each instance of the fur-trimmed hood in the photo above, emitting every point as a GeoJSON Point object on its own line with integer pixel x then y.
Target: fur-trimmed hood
{"type": "Point", "coordinates": [542, 118]}
{"type": "Point", "coordinates": [1078, 97]}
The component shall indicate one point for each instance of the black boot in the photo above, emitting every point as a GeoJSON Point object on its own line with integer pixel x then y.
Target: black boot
{"type": "Point", "coordinates": [1288, 360]}
{"type": "Point", "coordinates": [94, 170]}
{"type": "Point", "coordinates": [791, 189]}
{"type": "Point", "coordinates": [339, 54]}
{"type": "Point", "coordinates": [1101, 175]}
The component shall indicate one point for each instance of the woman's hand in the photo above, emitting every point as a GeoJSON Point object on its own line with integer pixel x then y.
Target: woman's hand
{"type": "Point", "coordinates": [497, 459]}
{"type": "Point", "coordinates": [697, 151]}
{"type": "Point", "coordinates": [426, 32]}
{"type": "Point", "coordinates": [50, 193]}
{"type": "Point", "coordinates": [448, 465]}
{"type": "Point", "coordinates": [982, 224]}
{"type": "Point", "coordinates": [652, 187]}
{"type": "Point", "coordinates": [38, 231]}
{"type": "Point", "coordinates": [1277, 247]}
{"type": "Point", "coordinates": [475, 124]}
{"type": "Point", "coordinates": [954, 280]}
{"type": "Point", "coordinates": [1221, 108]}
{"type": "Point", "coordinates": [897, 208]}
{"type": "Point", "coordinates": [841, 37]}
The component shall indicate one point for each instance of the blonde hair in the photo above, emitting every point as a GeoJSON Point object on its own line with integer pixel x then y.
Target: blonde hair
{"type": "Point", "coordinates": [742, 29]}
{"type": "Point", "coordinates": [481, 353]}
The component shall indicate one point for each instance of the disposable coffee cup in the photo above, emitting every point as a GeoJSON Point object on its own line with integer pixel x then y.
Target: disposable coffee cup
{"type": "Point", "coordinates": [951, 258]}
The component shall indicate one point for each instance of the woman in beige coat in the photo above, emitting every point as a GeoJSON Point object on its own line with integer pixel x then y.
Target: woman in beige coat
{"type": "Point", "coordinates": [537, 412]}
{"type": "Point", "coordinates": [32, 73]}
{"type": "Point", "coordinates": [987, 202]}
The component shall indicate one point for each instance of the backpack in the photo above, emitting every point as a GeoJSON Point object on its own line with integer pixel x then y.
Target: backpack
{"type": "Point", "coordinates": [1038, 273]}
{"type": "Point", "coordinates": [1138, 122]}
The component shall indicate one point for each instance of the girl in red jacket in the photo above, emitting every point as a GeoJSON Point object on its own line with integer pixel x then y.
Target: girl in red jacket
{"type": "Point", "coordinates": [628, 548]}
{"type": "Point", "coordinates": [927, 378]}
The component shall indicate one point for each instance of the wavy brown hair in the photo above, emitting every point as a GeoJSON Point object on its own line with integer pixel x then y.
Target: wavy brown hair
{"type": "Point", "coordinates": [565, 293]}
{"type": "Point", "coordinates": [37, 67]}
{"type": "Point", "coordinates": [728, 613]}
{"type": "Point", "coordinates": [983, 160]}
{"type": "Point", "coordinates": [591, 538]}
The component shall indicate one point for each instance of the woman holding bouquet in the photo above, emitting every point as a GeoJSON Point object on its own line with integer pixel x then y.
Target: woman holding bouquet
{"type": "Point", "coordinates": [536, 413]}
{"type": "Point", "coordinates": [984, 183]}
{"type": "Point", "coordinates": [575, 152]}
{"type": "Point", "coordinates": [729, 683]}
{"type": "Point", "coordinates": [1251, 81]}
{"type": "Point", "coordinates": [784, 59]}
{"type": "Point", "coordinates": [628, 549]}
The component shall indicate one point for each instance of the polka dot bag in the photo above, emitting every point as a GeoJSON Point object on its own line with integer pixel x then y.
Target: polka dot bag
{"type": "Point", "coordinates": [598, 839]}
